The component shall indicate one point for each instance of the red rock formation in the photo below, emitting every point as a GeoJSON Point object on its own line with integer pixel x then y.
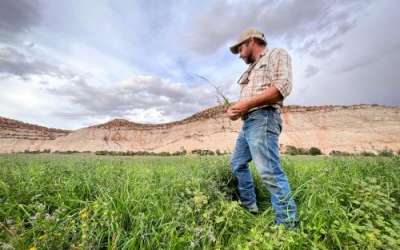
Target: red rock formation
{"type": "Point", "coordinates": [345, 128]}
{"type": "Point", "coordinates": [14, 129]}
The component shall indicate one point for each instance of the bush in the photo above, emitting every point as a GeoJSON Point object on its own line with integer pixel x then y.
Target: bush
{"type": "Point", "coordinates": [44, 151]}
{"type": "Point", "coordinates": [339, 153]}
{"type": "Point", "coordinates": [69, 152]}
{"type": "Point", "coordinates": [218, 152]}
{"type": "Point", "coordinates": [386, 152]}
{"type": "Point", "coordinates": [140, 153]}
{"type": "Point", "coordinates": [314, 151]}
{"type": "Point", "coordinates": [203, 152]}
{"type": "Point", "coordinates": [27, 151]}
{"type": "Point", "coordinates": [177, 153]}
{"type": "Point", "coordinates": [292, 150]}
{"type": "Point", "coordinates": [164, 154]}
{"type": "Point", "coordinates": [365, 153]}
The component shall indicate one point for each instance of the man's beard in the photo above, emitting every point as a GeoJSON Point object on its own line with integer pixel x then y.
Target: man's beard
{"type": "Point", "coordinates": [248, 60]}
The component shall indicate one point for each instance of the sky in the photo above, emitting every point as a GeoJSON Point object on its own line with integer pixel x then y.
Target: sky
{"type": "Point", "coordinates": [72, 64]}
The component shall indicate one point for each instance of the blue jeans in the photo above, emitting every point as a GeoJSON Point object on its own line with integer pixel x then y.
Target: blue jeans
{"type": "Point", "coordinates": [258, 141]}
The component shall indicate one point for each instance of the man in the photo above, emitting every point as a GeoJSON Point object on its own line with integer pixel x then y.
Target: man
{"type": "Point", "coordinates": [263, 86]}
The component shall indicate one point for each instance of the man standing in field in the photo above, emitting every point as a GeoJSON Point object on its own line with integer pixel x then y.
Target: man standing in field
{"type": "Point", "coordinates": [263, 86]}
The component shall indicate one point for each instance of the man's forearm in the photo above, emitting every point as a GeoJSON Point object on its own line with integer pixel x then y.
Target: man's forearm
{"type": "Point", "coordinates": [270, 95]}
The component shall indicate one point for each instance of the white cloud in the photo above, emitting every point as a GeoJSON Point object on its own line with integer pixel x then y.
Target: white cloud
{"type": "Point", "coordinates": [162, 99]}
{"type": "Point", "coordinates": [70, 64]}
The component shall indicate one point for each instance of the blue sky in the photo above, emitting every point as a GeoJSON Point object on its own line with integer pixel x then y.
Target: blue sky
{"type": "Point", "coordinates": [70, 64]}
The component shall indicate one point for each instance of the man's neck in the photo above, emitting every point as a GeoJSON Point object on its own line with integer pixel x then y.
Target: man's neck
{"type": "Point", "coordinates": [258, 53]}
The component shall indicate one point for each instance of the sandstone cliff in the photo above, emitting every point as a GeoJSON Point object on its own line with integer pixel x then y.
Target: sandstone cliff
{"type": "Point", "coordinates": [344, 128]}
{"type": "Point", "coordinates": [16, 136]}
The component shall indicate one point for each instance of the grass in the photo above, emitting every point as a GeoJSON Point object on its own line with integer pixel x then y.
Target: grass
{"type": "Point", "coordinates": [102, 202]}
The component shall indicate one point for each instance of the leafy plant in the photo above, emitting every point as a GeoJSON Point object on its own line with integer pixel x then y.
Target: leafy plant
{"type": "Point", "coordinates": [55, 201]}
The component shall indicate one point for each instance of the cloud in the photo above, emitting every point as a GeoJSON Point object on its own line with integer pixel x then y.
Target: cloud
{"type": "Point", "coordinates": [130, 97]}
{"type": "Point", "coordinates": [139, 59]}
{"type": "Point", "coordinates": [13, 62]}
{"type": "Point", "coordinates": [311, 71]}
{"type": "Point", "coordinates": [367, 59]}
{"type": "Point", "coordinates": [314, 22]}
{"type": "Point", "coordinates": [324, 52]}
{"type": "Point", "coordinates": [17, 16]}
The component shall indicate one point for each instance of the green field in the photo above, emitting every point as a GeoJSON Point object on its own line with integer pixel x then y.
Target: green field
{"type": "Point", "coordinates": [101, 202]}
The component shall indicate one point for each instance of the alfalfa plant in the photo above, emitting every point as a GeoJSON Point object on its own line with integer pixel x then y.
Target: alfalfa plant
{"type": "Point", "coordinates": [220, 95]}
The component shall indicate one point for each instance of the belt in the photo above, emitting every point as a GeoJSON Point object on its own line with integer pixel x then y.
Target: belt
{"type": "Point", "coordinates": [245, 116]}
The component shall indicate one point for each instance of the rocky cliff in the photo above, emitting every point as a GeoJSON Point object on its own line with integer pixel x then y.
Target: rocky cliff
{"type": "Point", "coordinates": [345, 128]}
{"type": "Point", "coordinates": [16, 136]}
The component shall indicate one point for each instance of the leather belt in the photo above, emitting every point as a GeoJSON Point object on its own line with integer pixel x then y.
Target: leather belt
{"type": "Point", "coordinates": [245, 116]}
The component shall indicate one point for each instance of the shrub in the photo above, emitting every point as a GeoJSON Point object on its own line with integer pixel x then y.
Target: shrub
{"type": "Point", "coordinates": [365, 153]}
{"type": "Point", "coordinates": [314, 151]}
{"type": "Point", "coordinates": [69, 152]}
{"type": "Point", "coordinates": [27, 151]}
{"type": "Point", "coordinates": [339, 153]}
{"type": "Point", "coordinates": [203, 152]}
{"type": "Point", "coordinates": [177, 153]}
{"type": "Point", "coordinates": [139, 153]}
{"type": "Point", "coordinates": [386, 152]}
{"type": "Point", "coordinates": [164, 154]}
{"type": "Point", "coordinates": [292, 150]}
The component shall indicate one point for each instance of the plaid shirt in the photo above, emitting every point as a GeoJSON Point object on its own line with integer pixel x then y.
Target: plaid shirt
{"type": "Point", "coordinates": [273, 68]}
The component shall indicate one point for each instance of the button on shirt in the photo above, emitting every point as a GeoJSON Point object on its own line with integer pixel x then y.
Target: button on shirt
{"type": "Point", "coordinates": [273, 68]}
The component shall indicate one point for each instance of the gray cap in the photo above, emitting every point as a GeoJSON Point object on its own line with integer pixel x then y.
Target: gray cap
{"type": "Point", "coordinates": [244, 36]}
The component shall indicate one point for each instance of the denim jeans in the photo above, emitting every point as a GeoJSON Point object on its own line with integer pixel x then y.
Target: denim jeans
{"type": "Point", "coordinates": [258, 140]}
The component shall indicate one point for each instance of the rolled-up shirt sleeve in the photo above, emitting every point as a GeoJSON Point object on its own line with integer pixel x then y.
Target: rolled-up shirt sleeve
{"type": "Point", "coordinates": [282, 72]}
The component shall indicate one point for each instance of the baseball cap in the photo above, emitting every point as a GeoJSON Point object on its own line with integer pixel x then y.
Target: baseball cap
{"type": "Point", "coordinates": [244, 36]}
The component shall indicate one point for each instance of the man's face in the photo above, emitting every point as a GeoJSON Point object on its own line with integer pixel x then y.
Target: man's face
{"type": "Point", "coordinates": [246, 52]}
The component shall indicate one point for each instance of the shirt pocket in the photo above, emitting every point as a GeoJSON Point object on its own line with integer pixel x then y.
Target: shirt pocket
{"type": "Point", "coordinates": [261, 77]}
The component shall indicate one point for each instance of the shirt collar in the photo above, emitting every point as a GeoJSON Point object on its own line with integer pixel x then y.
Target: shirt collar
{"type": "Point", "coordinates": [263, 53]}
{"type": "Point", "coordinates": [245, 75]}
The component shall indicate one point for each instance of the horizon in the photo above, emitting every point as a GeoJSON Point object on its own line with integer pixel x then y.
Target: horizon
{"type": "Point", "coordinates": [190, 116]}
{"type": "Point", "coordinates": [71, 65]}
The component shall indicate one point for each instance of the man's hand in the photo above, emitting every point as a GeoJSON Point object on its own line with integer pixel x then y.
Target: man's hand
{"type": "Point", "coordinates": [270, 95]}
{"type": "Point", "coordinates": [237, 110]}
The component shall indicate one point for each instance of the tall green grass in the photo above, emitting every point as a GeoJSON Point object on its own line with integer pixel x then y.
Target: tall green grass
{"type": "Point", "coordinates": [101, 202]}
